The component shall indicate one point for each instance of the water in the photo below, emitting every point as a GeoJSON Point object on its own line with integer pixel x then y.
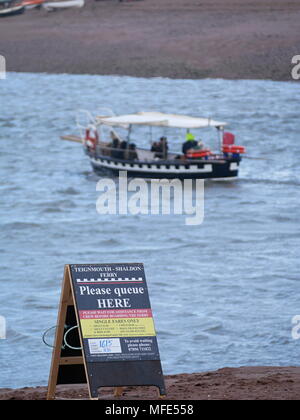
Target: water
{"type": "Point", "coordinates": [223, 293]}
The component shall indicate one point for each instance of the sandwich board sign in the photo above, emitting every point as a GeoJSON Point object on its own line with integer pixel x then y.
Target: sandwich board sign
{"type": "Point", "coordinates": [105, 334]}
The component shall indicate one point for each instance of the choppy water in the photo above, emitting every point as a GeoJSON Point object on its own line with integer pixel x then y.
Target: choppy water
{"type": "Point", "coordinates": [223, 293]}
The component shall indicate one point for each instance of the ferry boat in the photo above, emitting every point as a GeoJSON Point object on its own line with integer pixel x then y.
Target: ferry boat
{"type": "Point", "coordinates": [110, 152]}
{"type": "Point", "coordinates": [32, 4]}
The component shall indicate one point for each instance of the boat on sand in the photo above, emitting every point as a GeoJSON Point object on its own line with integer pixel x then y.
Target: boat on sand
{"type": "Point", "coordinates": [11, 8]}
{"type": "Point", "coordinates": [53, 5]}
{"type": "Point", "coordinates": [111, 152]}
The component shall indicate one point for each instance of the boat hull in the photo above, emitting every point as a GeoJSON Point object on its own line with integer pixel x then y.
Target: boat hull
{"type": "Point", "coordinates": [12, 11]}
{"type": "Point", "coordinates": [206, 169]}
{"type": "Point", "coordinates": [52, 5]}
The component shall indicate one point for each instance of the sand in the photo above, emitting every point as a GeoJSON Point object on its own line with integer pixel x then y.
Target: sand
{"type": "Point", "coordinates": [235, 39]}
{"type": "Point", "coordinates": [245, 383]}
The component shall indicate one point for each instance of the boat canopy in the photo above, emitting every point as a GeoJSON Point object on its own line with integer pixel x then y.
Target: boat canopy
{"type": "Point", "coordinates": [159, 119]}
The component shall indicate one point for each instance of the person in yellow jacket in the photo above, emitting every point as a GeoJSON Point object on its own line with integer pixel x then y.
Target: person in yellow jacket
{"type": "Point", "coordinates": [190, 143]}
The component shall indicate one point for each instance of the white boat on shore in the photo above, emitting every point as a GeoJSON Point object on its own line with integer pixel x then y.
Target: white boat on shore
{"type": "Point", "coordinates": [52, 5]}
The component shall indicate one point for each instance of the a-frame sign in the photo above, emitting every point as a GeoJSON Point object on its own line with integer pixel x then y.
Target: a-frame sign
{"type": "Point", "coordinates": [105, 334]}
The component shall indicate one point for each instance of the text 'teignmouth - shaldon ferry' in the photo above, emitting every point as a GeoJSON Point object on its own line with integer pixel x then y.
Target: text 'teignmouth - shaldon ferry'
{"type": "Point", "coordinates": [111, 152]}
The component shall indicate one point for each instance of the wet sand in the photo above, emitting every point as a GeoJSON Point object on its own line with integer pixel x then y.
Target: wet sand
{"type": "Point", "coordinates": [245, 383]}
{"type": "Point", "coordinates": [233, 39]}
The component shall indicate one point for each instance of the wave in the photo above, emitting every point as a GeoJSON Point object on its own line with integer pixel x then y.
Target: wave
{"type": "Point", "coordinates": [270, 181]}
{"type": "Point", "coordinates": [21, 225]}
{"type": "Point", "coordinates": [69, 191]}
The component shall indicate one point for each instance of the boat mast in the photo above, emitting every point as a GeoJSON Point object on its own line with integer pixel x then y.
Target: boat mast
{"type": "Point", "coordinates": [129, 133]}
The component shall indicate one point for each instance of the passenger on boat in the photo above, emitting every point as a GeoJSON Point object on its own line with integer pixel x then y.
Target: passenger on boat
{"type": "Point", "coordinates": [155, 148]}
{"type": "Point", "coordinates": [160, 148]}
{"type": "Point", "coordinates": [165, 147]}
{"type": "Point", "coordinates": [124, 146]}
{"type": "Point", "coordinates": [132, 154]}
{"type": "Point", "coordinates": [116, 151]}
{"type": "Point", "coordinates": [190, 143]}
{"type": "Point", "coordinates": [110, 145]}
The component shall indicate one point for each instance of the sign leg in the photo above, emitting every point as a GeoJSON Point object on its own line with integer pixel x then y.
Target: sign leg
{"type": "Point", "coordinates": [59, 336]}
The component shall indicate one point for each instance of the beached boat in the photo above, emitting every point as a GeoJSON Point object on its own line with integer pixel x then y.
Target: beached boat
{"type": "Point", "coordinates": [118, 153]}
{"type": "Point", "coordinates": [11, 8]}
{"type": "Point", "coordinates": [32, 4]}
{"type": "Point", "coordinates": [52, 5]}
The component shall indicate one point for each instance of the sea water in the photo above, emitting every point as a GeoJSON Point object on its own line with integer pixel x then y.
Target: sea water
{"type": "Point", "coordinates": [223, 293]}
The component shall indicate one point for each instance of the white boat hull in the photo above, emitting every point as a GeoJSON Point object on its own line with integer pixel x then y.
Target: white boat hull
{"type": "Point", "coordinates": [63, 4]}
{"type": "Point", "coordinates": [16, 10]}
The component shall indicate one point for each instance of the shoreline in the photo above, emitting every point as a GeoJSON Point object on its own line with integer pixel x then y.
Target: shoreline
{"type": "Point", "coordinates": [147, 78]}
{"type": "Point", "coordinates": [244, 383]}
{"type": "Point", "coordinates": [225, 39]}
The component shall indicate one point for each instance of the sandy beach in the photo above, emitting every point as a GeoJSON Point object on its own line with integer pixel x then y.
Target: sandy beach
{"type": "Point", "coordinates": [233, 39]}
{"type": "Point", "coordinates": [245, 383]}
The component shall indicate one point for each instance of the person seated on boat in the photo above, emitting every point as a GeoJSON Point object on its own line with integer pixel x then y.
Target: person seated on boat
{"type": "Point", "coordinates": [160, 148]}
{"type": "Point", "coordinates": [165, 147]}
{"type": "Point", "coordinates": [124, 146]}
{"type": "Point", "coordinates": [190, 143]}
{"type": "Point", "coordinates": [109, 145]}
{"type": "Point", "coordinates": [132, 154]}
{"type": "Point", "coordinates": [116, 151]}
{"type": "Point", "coordinates": [155, 148]}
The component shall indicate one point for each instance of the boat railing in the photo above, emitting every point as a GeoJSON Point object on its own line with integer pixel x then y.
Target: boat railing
{"type": "Point", "coordinates": [143, 154]}
{"type": "Point", "coordinates": [104, 150]}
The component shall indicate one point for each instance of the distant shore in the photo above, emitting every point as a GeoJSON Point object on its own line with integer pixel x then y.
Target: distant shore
{"type": "Point", "coordinates": [231, 39]}
{"type": "Point", "coordinates": [245, 383]}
